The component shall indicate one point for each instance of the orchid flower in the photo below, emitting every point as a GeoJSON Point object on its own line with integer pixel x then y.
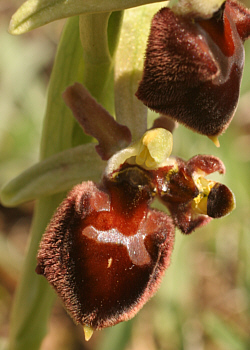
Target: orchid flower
{"type": "Point", "coordinates": [107, 214]}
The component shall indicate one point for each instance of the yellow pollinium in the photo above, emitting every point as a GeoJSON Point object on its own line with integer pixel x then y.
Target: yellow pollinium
{"type": "Point", "coordinates": [200, 202]}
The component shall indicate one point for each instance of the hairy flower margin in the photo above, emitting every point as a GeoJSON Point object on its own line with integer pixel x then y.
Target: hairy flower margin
{"type": "Point", "coordinates": [105, 250]}
{"type": "Point", "coordinates": [194, 75]}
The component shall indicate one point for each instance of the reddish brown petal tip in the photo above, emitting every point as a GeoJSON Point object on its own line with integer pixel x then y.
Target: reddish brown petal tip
{"type": "Point", "coordinates": [220, 201]}
{"type": "Point", "coordinates": [241, 18]}
{"type": "Point", "coordinates": [206, 163]}
{"type": "Point", "coordinates": [96, 121]}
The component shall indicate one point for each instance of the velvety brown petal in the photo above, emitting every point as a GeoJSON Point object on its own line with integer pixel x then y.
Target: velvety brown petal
{"type": "Point", "coordinates": [241, 18]}
{"type": "Point", "coordinates": [179, 187]}
{"type": "Point", "coordinates": [193, 67]}
{"type": "Point", "coordinates": [205, 163]}
{"type": "Point", "coordinates": [220, 201]}
{"type": "Point", "coordinates": [165, 123]}
{"type": "Point", "coordinates": [105, 251]}
{"type": "Point", "coordinates": [96, 121]}
{"type": "Point", "coordinates": [185, 218]}
{"type": "Point", "coordinates": [191, 199]}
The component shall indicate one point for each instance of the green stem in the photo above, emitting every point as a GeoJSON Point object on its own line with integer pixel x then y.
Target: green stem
{"type": "Point", "coordinates": [34, 297]}
{"type": "Point", "coordinates": [99, 35]}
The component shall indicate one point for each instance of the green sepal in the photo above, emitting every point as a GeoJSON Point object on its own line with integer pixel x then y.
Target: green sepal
{"type": "Point", "coordinates": [55, 174]}
{"type": "Point", "coordinates": [128, 68]}
{"type": "Point", "coordinates": [36, 13]}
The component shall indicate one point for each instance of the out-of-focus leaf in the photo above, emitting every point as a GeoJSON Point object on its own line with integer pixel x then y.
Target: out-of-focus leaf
{"type": "Point", "coordinates": [35, 13]}
{"type": "Point", "coordinates": [10, 258]}
{"type": "Point", "coordinates": [34, 297]}
{"type": "Point", "coordinates": [224, 333]}
{"type": "Point", "coordinates": [22, 97]}
{"type": "Point", "coordinates": [245, 85]}
{"type": "Point", "coordinates": [116, 337]}
{"type": "Point", "coordinates": [62, 130]}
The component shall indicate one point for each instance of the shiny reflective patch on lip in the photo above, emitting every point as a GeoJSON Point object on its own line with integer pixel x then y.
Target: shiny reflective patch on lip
{"type": "Point", "coordinates": [134, 244]}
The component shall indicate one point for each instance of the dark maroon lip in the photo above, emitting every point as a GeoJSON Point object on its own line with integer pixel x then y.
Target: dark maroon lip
{"type": "Point", "coordinates": [193, 67]}
{"type": "Point", "coordinates": [105, 250]}
{"type": "Point", "coordinates": [105, 263]}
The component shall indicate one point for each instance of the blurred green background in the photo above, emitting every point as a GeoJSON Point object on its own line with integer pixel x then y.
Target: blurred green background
{"type": "Point", "coordinates": [203, 301]}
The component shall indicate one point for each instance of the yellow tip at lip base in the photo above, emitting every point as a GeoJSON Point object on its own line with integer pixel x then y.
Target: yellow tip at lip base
{"type": "Point", "coordinates": [215, 140]}
{"type": "Point", "coordinates": [88, 332]}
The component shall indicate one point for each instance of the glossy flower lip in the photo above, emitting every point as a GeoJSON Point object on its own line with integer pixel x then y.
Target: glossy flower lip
{"type": "Point", "coordinates": [193, 67]}
{"type": "Point", "coordinates": [105, 251]}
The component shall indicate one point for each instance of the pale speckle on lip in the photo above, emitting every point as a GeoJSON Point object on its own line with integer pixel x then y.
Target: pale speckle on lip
{"type": "Point", "coordinates": [134, 244]}
{"type": "Point", "coordinates": [164, 188]}
{"type": "Point", "coordinates": [110, 260]}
